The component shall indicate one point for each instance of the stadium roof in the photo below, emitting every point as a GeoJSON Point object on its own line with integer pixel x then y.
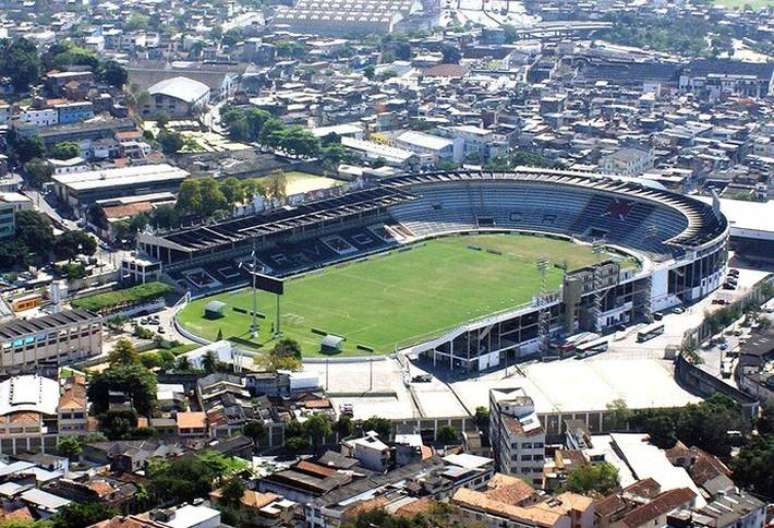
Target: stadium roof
{"type": "Point", "coordinates": [703, 224]}
{"type": "Point", "coordinates": [286, 219]}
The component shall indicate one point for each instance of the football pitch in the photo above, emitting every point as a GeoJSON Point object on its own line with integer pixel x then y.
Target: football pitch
{"type": "Point", "coordinates": [400, 297]}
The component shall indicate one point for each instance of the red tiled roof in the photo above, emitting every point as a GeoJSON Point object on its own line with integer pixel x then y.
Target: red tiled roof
{"type": "Point", "coordinates": [660, 505]}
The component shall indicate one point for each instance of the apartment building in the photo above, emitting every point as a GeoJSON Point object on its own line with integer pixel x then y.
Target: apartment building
{"type": "Point", "coordinates": [517, 436]}
{"type": "Point", "coordinates": [55, 339]}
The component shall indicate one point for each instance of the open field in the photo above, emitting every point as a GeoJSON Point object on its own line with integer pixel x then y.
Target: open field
{"type": "Point", "coordinates": [401, 296]}
{"type": "Point", "coordinates": [740, 4]}
{"type": "Point", "coordinates": [302, 182]}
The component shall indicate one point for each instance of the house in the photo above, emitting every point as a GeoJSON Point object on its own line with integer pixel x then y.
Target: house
{"type": "Point", "coordinates": [504, 503]}
{"type": "Point", "coordinates": [177, 97]}
{"type": "Point", "coordinates": [628, 161]}
{"type": "Point", "coordinates": [370, 452]}
{"type": "Point", "coordinates": [264, 510]}
{"type": "Point", "coordinates": [192, 425]}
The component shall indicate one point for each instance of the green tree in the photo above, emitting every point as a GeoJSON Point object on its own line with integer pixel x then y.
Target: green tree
{"type": "Point", "coordinates": [123, 353]}
{"type": "Point", "coordinates": [600, 478]}
{"type": "Point", "coordinates": [287, 347]}
{"type": "Point", "coordinates": [210, 362]}
{"type": "Point", "coordinates": [137, 21]}
{"type": "Point", "coordinates": [13, 254]}
{"type": "Point", "coordinates": [183, 363]}
{"type": "Point", "coordinates": [70, 244]}
{"type": "Point", "coordinates": [82, 514]}
{"type": "Point", "coordinates": [318, 428]}
{"type": "Point", "coordinates": [276, 187]}
{"type": "Point", "coordinates": [189, 198]}
{"type": "Point", "coordinates": [255, 431]}
{"type": "Point", "coordinates": [112, 73]}
{"type": "Point", "coordinates": [171, 142]}
{"type": "Point", "coordinates": [65, 150]}
{"type": "Point", "coordinates": [451, 54]}
{"type": "Point", "coordinates": [69, 446]}
{"type": "Point", "coordinates": [135, 380]}
{"type": "Point", "coordinates": [231, 493]}
{"type": "Point", "coordinates": [620, 413]}
{"type": "Point", "coordinates": [25, 148]}
{"type": "Point", "coordinates": [38, 172]}
{"type": "Point", "coordinates": [753, 465]}
{"type": "Point", "coordinates": [381, 425]}
{"type": "Point", "coordinates": [19, 61]}
{"type": "Point", "coordinates": [34, 230]}
{"type": "Point", "coordinates": [297, 444]}
{"type": "Point", "coordinates": [482, 418]}
{"type": "Point", "coordinates": [212, 198]}
{"type": "Point", "coordinates": [344, 426]}
{"type": "Point", "coordinates": [232, 191]}
{"type": "Point", "coordinates": [447, 435]}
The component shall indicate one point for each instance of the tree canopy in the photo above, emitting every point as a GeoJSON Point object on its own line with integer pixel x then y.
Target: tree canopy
{"type": "Point", "coordinates": [135, 380]}
{"type": "Point", "coordinates": [586, 478]}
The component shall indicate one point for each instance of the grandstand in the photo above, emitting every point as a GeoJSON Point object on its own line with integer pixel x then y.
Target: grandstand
{"type": "Point", "coordinates": [680, 243]}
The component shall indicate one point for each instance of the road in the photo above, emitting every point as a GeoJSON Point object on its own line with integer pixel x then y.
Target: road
{"type": "Point", "coordinates": [40, 203]}
{"type": "Point", "coordinates": [211, 118]}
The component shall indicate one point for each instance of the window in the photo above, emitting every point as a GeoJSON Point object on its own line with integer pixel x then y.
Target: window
{"type": "Point", "coordinates": [526, 457]}
{"type": "Point", "coordinates": [527, 445]}
{"type": "Point", "coordinates": [538, 445]}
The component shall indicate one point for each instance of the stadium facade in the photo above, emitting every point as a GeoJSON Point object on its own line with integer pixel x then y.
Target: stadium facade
{"type": "Point", "coordinates": [679, 242]}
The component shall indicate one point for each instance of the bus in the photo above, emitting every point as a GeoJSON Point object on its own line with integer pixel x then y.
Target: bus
{"type": "Point", "coordinates": [649, 332]}
{"type": "Point", "coordinates": [590, 348]}
{"type": "Point", "coordinates": [570, 345]}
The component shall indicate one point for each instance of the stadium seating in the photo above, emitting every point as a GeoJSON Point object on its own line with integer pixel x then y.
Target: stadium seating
{"type": "Point", "coordinates": [585, 213]}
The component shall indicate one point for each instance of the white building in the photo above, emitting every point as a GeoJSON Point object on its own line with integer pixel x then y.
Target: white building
{"type": "Point", "coordinates": [476, 140]}
{"type": "Point", "coordinates": [177, 97]}
{"type": "Point", "coordinates": [371, 452]}
{"type": "Point", "coordinates": [432, 148]}
{"type": "Point", "coordinates": [516, 434]}
{"type": "Point", "coordinates": [42, 117]}
{"type": "Point", "coordinates": [395, 157]}
{"type": "Point", "coordinates": [628, 161]}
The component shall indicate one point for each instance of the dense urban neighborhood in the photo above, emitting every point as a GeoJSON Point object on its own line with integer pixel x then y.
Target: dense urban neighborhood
{"type": "Point", "coordinates": [386, 264]}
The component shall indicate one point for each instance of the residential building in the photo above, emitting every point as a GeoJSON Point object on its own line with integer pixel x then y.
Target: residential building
{"type": "Point", "coordinates": [74, 112]}
{"type": "Point", "coordinates": [10, 204]}
{"type": "Point", "coordinates": [516, 434]}
{"type": "Point", "coordinates": [509, 502]}
{"type": "Point", "coordinates": [628, 161]}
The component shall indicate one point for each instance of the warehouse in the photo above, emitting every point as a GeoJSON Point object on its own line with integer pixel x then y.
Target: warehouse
{"type": "Point", "coordinates": [82, 189]}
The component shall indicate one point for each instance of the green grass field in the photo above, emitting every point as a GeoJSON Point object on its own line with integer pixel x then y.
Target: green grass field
{"type": "Point", "coordinates": [740, 4]}
{"type": "Point", "coordinates": [399, 296]}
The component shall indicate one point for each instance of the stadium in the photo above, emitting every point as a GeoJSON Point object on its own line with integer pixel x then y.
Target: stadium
{"type": "Point", "coordinates": [467, 269]}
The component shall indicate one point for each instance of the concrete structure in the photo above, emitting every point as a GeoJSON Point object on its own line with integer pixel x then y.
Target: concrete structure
{"type": "Point", "coordinates": [371, 452]}
{"type": "Point", "coordinates": [10, 204]}
{"type": "Point", "coordinates": [176, 97]}
{"type": "Point", "coordinates": [80, 190]}
{"type": "Point", "coordinates": [517, 436]}
{"type": "Point", "coordinates": [34, 410]}
{"type": "Point", "coordinates": [55, 339]}
{"type": "Point", "coordinates": [627, 161]}
{"type": "Point", "coordinates": [431, 149]}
